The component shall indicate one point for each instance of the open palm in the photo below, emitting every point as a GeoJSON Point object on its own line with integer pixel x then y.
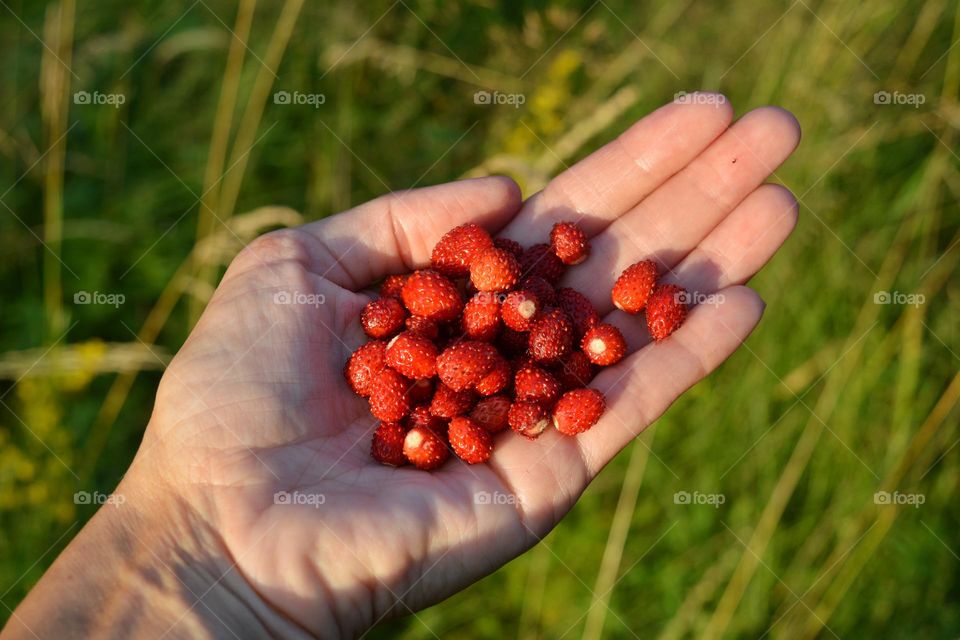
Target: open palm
{"type": "Point", "coordinates": [258, 432]}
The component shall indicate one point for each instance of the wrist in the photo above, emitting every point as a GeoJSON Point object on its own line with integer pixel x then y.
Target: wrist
{"type": "Point", "coordinates": [146, 565]}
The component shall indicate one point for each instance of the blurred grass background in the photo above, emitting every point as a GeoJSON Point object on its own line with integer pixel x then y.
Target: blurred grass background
{"type": "Point", "coordinates": [834, 398]}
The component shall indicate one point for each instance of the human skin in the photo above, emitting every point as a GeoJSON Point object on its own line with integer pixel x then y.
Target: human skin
{"type": "Point", "coordinates": [254, 403]}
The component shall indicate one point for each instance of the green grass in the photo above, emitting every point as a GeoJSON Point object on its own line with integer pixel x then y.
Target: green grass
{"type": "Point", "coordinates": [833, 398]}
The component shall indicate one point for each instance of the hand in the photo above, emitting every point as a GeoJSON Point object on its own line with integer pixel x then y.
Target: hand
{"type": "Point", "coordinates": [255, 403]}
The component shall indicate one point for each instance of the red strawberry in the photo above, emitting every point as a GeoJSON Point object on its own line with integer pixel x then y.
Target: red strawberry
{"type": "Point", "coordinates": [471, 442]}
{"type": "Point", "coordinates": [541, 288]}
{"type": "Point", "coordinates": [512, 342]}
{"type": "Point", "coordinates": [491, 413]}
{"type": "Point", "coordinates": [633, 287]}
{"type": "Point", "coordinates": [421, 391]}
{"type": "Point", "coordinates": [539, 260]}
{"type": "Point", "coordinates": [533, 384]}
{"type": "Point", "coordinates": [494, 270]}
{"type": "Point", "coordinates": [578, 410]}
{"type": "Point", "coordinates": [424, 326]}
{"type": "Point", "coordinates": [389, 400]}
{"type": "Point", "coordinates": [447, 403]}
{"type": "Point", "coordinates": [551, 336]}
{"type": "Point", "coordinates": [519, 309]}
{"type": "Point", "coordinates": [509, 245]}
{"type": "Point", "coordinates": [579, 308]}
{"type": "Point", "coordinates": [666, 310]}
{"type": "Point", "coordinates": [425, 448]}
{"type": "Point", "coordinates": [574, 371]}
{"type": "Point", "coordinates": [427, 293]}
{"type": "Point", "coordinates": [412, 355]}
{"type": "Point", "coordinates": [364, 364]}
{"type": "Point", "coordinates": [454, 253]}
{"type": "Point", "coordinates": [496, 379]}
{"type": "Point", "coordinates": [392, 286]}
{"type": "Point", "coordinates": [383, 317]}
{"type": "Point", "coordinates": [569, 242]}
{"type": "Point", "coordinates": [462, 365]}
{"type": "Point", "coordinates": [604, 344]}
{"type": "Point", "coordinates": [529, 419]}
{"type": "Point", "coordinates": [481, 317]}
{"type": "Point", "coordinates": [420, 416]}
{"type": "Point", "coordinates": [387, 444]}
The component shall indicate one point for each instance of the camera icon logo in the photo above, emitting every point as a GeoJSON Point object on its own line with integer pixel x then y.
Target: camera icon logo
{"type": "Point", "coordinates": [881, 497]}
{"type": "Point", "coordinates": [281, 97]}
{"type": "Point", "coordinates": [681, 497]}
{"type": "Point", "coordinates": [881, 97]}
{"type": "Point", "coordinates": [281, 497]}
{"type": "Point", "coordinates": [481, 497]}
{"type": "Point", "coordinates": [282, 297]}
{"type": "Point", "coordinates": [81, 497]}
{"type": "Point", "coordinates": [81, 97]}
{"type": "Point", "coordinates": [81, 297]}
{"type": "Point", "coordinates": [881, 297]}
{"type": "Point", "coordinates": [482, 97]}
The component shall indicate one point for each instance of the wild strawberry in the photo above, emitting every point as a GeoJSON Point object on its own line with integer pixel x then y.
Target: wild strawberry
{"type": "Point", "coordinates": [509, 245]}
{"type": "Point", "coordinates": [421, 391]}
{"type": "Point", "coordinates": [427, 293]}
{"type": "Point", "coordinates": [666, 310]}
{"type": "Point", "coordinates": [578, 410]}
{"type": "Point", "coordinates": [426, 449]}
{"type": "Point", "coordinates": [420, 416]}
{"type": "Point", "coordinates": [579, 308]}
{"type": "Point", "coordinates": [481, 317]}
{"type": "Point", "coordinates": [412, 355]}
{"type": "Point", "coordinates": [569, 243]}
{"type": "Point", "coordinates": [529, 419]}
{"type": "Point", "coordinates": [389, 400]}
{"type": "Point", "coordinates": [426, 327]}
{"type": "Point", "coordinates": [496, 379]}
{"type": "Point", "coordinates": [494, 270]}
{"type": "Point", "coordinates": [364, 364]}
{"type": "Point", "coordinates": [455, 251]}
{"type": "Point", "coordinates": [551, 336]}
{"type": "Point", "coordinates": [471, 442]}
{"type": "Point", "coordinates": [512, 342]}
{"type": "Point", "coordinates": [447, 403]}
{"type": "Point", "coordinates": [632, 289]}
{"type": "Point", "coordinates": [575, 371]}
{"type": "Point", "coordinates": [541, 288]}
{"type": "Point", "coordinates": [387, 444]}
{"type": "Point", "coordinates": [392, 286]}
{"type": "Point", "coordinates": [491, 413]}
{"type": "Point", "coordinates": [539, 260]}
{"type": "Point", "coordinates": [462, 365]}
{"type": "Point", "coordinates": [604, 344]}
{"type": "Point", "coordinates": [533, 384]}
{"type": "Point", "coordinates": [519, 309]}
{"type": "Point", "coordinates": [383, 317]}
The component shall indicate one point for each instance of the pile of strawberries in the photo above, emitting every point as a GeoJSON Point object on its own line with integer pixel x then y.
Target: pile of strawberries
{"type": "Point", "coordinates": [485, 340]}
